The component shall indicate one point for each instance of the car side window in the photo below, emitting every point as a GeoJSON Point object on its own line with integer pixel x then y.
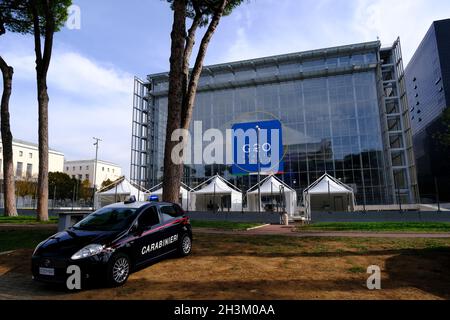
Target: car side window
{"type": "Point", "coordinates": [148, 218]}
{"type": "Point", "coordinates": [169, 212]}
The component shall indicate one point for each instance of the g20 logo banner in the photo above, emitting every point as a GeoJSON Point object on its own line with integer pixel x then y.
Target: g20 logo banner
{"type": "Point", "coordinates": [246, 143]}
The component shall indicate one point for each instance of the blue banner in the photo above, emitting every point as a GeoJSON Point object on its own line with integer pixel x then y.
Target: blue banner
{"type": "Point", "coordinates": [267, 136]}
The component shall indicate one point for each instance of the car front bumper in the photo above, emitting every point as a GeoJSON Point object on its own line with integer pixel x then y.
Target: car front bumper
{"type": "Point", "coordinates": [91, 268]}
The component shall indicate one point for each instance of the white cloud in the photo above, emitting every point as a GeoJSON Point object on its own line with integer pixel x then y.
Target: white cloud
{"type": "Point", "coordinates": [266, 27]}
{"type": "Point", "coordinates": [389, 19]}
{"type": "Point", "coordinates": [87, 99]}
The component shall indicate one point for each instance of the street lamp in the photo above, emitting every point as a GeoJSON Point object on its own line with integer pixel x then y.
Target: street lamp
{"type": "Point", "coordinates": [258, 129]}
{"type": "Point", "coordinates": [96, 144]}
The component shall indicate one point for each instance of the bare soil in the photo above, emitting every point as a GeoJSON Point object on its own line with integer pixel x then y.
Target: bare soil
{"type": "Point", "coordinates": [267, 268]}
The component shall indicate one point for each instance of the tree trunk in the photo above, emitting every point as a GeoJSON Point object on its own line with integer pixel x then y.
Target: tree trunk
{"type": "Point", "coordinates": [42, 65]}
{"type": "Point", "coordinates": [189, 101]}
{"type": "Point", "coordinates": [7, 140]}
{"type": "Point", "coordinates": [182, 92]}
{"type": "Point", "coordinates": [42, 203]}
{"type": "Point", "coordinates": [172, 171]}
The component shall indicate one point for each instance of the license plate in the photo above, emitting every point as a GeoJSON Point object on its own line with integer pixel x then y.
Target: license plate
{"type": "Point", "coordinates": [47, 271]}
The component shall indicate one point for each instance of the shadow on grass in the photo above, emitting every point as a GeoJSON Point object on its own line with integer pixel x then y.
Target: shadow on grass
{"type": "Point", "coordinates": [425, 269]}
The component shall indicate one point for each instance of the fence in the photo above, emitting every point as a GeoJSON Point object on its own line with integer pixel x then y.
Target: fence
{"type": "Point", "coordinates": [29, 202]}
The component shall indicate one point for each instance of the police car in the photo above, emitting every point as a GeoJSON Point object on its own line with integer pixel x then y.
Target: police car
{"type": "Point", "coordinates": [114, 241]}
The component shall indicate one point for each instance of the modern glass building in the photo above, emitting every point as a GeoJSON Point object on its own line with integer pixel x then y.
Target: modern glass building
{"type": "Point", "coordinates": [428, 86]}
{"type": "Point", "coordinates": [344, 112]}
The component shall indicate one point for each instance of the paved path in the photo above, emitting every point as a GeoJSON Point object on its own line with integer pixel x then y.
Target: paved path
{"type": "Point", "coordinates": [290, 231]}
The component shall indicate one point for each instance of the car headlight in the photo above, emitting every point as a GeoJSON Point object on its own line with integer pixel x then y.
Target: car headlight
{"type": "Point", "coordinates": [88, 251]}
{"type": "Point", "coordinates": [38, 246]}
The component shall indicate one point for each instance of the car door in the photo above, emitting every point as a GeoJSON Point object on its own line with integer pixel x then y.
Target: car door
{"type": "Point", "coordinates": [149, 236]}
{"type": "Point", "coordinates": [171, 216]}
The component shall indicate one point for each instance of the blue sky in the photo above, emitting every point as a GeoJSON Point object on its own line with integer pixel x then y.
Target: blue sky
{"type": "Point", "coordinates": [91, 75]}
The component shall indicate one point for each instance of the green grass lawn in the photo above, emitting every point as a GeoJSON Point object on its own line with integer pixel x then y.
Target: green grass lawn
{"type": "Point", "coordinates": [379, 226]}
{"type": "Point", "coordinates": [223, 225]}
{"type": "Point", "coordinates": [26, 220]}
{"type": "Point", "coordinates": [29, 238]}
{"type": "Point", "coordinates": [22, 239]}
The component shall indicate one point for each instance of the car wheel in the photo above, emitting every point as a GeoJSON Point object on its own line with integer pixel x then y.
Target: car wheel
{"type": "Point", "coordinates": [118, 270]}
{"type": "Point", "coordinates": [185, 246]}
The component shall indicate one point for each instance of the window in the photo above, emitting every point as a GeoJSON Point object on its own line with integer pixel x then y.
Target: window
{"type": "Point", "coordinates": [148, 218]}
{"type": "Point", "coordinates": [400, 179]}
{"type": "Point", "coordinates": [19, 169]}
{"type": "Point", "coordinates": [87, 167]}
{"type": "Point", "coordinates": [108, 169]}
{"type": "Point", "coordinates": [113, 170]}
{"type": "Point", "coordinates": [20, 153]}
{"type": "Point", "coordinates": [80, 177]}
{"type": "Point", "coordinates": [398, 158]}
{"type": "Point", "coordinates": [394, 124]}
{"type": "Point", "coordinates": [29, 170]}
{"type": "Point", "coordinates": [81, 168]}
{"type": "Point", "coordinates": [30, 155]}
{"type": "Point", "coordinates": [73, 168]}
{"type": "Point", "coordinates": [396, 141]}
{"type": "Point", "coordinates": [108, 219]}
{"type": "Point", "coordinates": [87, 177]}
{"type": "Point", "coordinates": [103, 168]}
{"type": "Point", "coordinates": [170, 212]}
{"type": "Point", "coordinates": [67, 168]}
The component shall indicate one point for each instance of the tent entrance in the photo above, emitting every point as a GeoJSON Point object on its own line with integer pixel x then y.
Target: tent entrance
{"type": "Point", "coordinates": [273, 203]}
{"type": "Point", "coordinates": [332, 202]}
{"type": "Point", "coordinates": [213, 203]}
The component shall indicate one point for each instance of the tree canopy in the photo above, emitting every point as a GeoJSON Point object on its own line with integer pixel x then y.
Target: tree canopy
{"type": "Point", "coordinates": [17, 15]}
{"type": "Point", "coordinates": [205, 9]}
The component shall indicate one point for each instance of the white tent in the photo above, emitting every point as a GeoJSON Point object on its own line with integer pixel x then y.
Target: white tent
{"type": "Point", "coordinates": [185, 195]}
{"type": "Point", "coordinates": [118, 192]}
{"type": "Point", "coordinates": [271, 188]}
{"type": "Point", "coordinates": [328, 194]}
{"type": "Point", "coordinates": [217, 194]}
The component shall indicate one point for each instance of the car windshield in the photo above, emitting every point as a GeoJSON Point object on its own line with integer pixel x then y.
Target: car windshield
{"type": "Point", "coordinates": [108, 219]}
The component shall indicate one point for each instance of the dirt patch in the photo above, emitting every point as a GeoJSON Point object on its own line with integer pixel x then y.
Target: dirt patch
{"type": "Point", "coordinates": [264, 267]}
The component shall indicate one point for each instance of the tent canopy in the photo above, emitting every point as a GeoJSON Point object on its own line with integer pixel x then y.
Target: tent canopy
{"type": "Point", "coordinates": [118, 191]}
{"type": "Point", "coordinates": [216, 185]}
{"type": "Point", "coordinates": [186, 203]}
{"type": "Point", "coordinates": [270, 185]}
{"type": "Point", "coordinates": [328, 194]}
{"type": "Point", "coordinates": [217, 193]}
{"type": "Point", "coordinates": [328, 184]}
{"type": "Point", "coordinates": [158, 190]}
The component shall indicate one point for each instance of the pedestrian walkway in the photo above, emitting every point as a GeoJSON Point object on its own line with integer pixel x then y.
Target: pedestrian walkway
{"type": "Point", "coordinates": [290, 231]}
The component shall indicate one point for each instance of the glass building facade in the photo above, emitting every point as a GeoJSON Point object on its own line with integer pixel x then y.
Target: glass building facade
{"type": "Point", "coordinates": [343, 111]}
{"type": "Point", "coordinates": [428, 86]}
